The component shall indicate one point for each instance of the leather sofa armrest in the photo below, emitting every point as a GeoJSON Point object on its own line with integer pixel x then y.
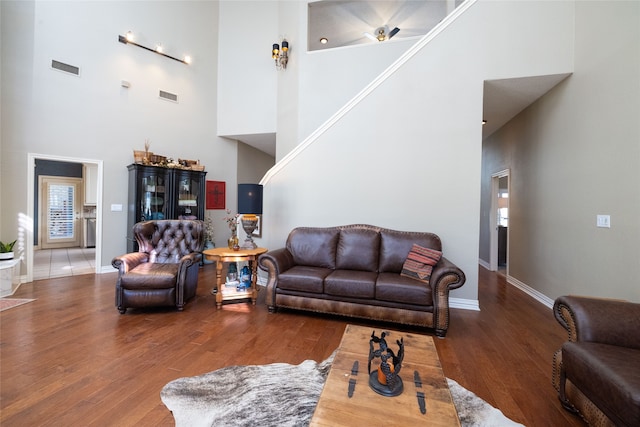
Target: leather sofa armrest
{"type": "Point", "coordinates": [279, 260]}
{"type": "Point", "coordinates": [126, 262]}
{"type": "Point", "coordinates": [446, 274]}
{"type": "Point", "coordinates": [605, 321]}
{"type": "Point", "coordinates": [274, 262]}
{"type": "Point", "coordinates": [444, 277]}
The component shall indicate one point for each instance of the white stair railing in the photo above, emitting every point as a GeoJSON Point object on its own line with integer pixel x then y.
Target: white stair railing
{"type": "Point", "coordinates": [412, 51]}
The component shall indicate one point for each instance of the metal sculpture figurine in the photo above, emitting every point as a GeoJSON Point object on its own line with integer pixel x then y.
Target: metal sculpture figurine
{"type": "Point", "coordinates": [385, 380]}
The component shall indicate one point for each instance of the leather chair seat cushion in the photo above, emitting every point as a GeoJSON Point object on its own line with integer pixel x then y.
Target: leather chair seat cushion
{"type": "Point", "coordinates": [151, 275]}
{"type": "Point", "coordinates": [358, 249]}
{"type": "Point", "coordinates": [351, 283]}
{"type": "Point", "coordinates": [395, 288]}
{"type": "Point", "coordinates": [608, 375]}
{"type": "Point", "coordinates": [304, 278]}
{"type": "Point", "coordinates": [315, 247]}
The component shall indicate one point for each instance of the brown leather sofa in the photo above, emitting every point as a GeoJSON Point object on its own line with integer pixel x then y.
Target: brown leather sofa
{"type": "Point", "coordinates": [164, 271]}
{"type": "Point", "coordinates": [354, 270]}
{"type": "Point", "coordinates": [597, 372]}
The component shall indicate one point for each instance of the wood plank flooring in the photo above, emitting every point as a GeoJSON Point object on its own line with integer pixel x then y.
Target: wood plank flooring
{"type": "Point", "coordinates": [70, 359]}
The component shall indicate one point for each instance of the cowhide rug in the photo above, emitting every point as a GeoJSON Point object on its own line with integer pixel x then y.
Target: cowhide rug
{"type": "Point", "coordinates": [255, 395]}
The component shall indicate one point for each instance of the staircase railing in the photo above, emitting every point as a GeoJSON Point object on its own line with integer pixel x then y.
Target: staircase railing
{"type": "Point", "coordinates": [410, 53]}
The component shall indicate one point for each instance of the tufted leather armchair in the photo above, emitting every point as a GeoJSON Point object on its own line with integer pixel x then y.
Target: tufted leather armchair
{"type": "Point", "coordinates": [164, 271]}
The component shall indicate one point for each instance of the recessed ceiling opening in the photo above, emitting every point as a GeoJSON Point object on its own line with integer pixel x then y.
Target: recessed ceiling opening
{"type": "Point", "coordinates": [342, 23]}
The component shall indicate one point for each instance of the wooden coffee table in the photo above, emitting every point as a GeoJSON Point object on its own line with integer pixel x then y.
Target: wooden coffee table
{"type": "Point", "coordinates": [368, 408]}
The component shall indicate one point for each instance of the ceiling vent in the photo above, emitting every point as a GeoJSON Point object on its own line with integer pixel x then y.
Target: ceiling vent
{"type": "Point", "coordinates": [71, 69]}
{"type": "Point", "coordinates": [168, 96]}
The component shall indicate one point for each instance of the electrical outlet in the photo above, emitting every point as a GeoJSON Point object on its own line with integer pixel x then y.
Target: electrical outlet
{"type": "Point", "coordinates": [603, 221]}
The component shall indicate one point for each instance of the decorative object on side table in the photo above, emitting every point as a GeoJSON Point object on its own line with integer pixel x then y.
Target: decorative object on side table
{"type": "Point", "coordinates": [232, 222]}
{"type": "Point", "coordinates": [249, 205]}
{"type": "Point", "coordinates": [245, 279]}
{"type": "Point", "coordinates": [386, 379]}
{"type": "Point", "coordinates": [232, 275]}
{"type": "Point", "coordinates": [6, 250]}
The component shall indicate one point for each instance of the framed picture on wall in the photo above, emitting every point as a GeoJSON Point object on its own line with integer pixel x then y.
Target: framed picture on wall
{"type": "Point", "coordinates": [216, 195]}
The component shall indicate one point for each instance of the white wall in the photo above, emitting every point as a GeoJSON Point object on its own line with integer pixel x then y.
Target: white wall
{"type": "Point", "coordinates": [332, 77]}
{"type": "Point", "coordinates": [575, 154]}
{"type": "Point", "coordinates": [247, 76]}
{"type": "Point", "coordinates": [417, 166]}
{"type": "Point", "coordinates": [92, 116]}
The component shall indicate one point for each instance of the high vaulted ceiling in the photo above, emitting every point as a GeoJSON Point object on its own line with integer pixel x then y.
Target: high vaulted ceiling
{"type": "Point", "coordinates": [344, 23]}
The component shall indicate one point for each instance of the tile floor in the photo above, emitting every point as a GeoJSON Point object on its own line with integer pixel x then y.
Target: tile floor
{"type": "Point", "coordinates": [49, 263]}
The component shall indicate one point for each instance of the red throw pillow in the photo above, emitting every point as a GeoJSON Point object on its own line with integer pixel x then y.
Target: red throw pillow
{"type": "Point", "coordinates": [419, 263]}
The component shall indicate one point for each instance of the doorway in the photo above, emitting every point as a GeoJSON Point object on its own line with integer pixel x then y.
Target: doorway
{"type": "Point", "coordinates": [499, 244]}
{"type": "Point", "coordinates": [35, 209]}
{"type": "Point", "coordinates": [59, 219]}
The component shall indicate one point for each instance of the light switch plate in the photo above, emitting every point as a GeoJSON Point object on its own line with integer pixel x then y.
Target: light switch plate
{"type": "Point", "coordinates": [116, 208]}
{"type": "Point", "coordinates": [603, 221]}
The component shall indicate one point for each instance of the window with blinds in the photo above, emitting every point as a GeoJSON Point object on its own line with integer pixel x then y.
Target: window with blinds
{"type": "Point", "coordinates": [60, 214]}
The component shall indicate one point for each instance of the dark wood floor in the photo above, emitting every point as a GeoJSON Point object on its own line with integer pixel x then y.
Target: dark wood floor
{"type": "Point", "coordinates": [70, 359]}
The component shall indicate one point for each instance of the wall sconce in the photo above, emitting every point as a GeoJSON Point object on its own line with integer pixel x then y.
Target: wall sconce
{"type": "Point", "coordinates": [280, 56]}
{"type": "Point", "coordinates": [128, 39]}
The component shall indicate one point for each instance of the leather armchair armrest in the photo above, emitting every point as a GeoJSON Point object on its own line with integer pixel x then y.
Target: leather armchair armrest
{"type": "Point", "coordinates": [126, 262]}
{"type": "Point", "coordinates": [185, 262]}
{"type": "Point", "coordinates": [189, 259]}
{"type": "Point", "coordinates": [605, 321]}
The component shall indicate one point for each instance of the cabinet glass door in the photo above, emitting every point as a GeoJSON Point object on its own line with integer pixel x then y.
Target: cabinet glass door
{"type": "Point", "coordinates": [188, 196]}
{"type": "Point", "coordinates": [153, 203]}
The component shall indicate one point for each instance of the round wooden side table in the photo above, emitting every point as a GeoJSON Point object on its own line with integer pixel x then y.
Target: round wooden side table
{"type": "Point", "coordinates": [222, 255]}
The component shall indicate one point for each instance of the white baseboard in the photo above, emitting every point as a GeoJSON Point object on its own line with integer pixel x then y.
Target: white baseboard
{"type": "Point", "coordinates": [107, 269]}
{"type": "Point", "coordinates": [484, 264]}
{"type": "Point", "coordinates": [531, 292]}
{"type": "Point", "coordinates": [538, 296]}
{"type": "Point", "coordinates": [465, 304]}
{"type": "Point", "coordinates": [14, 287]}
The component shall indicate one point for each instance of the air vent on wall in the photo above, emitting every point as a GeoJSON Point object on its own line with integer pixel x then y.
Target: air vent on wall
{"type": "Point", "coordinates": [71, 69]}
{"type": "Point", "coordinates": [168, 96]}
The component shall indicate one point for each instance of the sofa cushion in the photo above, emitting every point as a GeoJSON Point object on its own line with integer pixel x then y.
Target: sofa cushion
{"type": "Point", "coordinates": [395, 246]}
{"type": "Point", "coordinates": [303, 278]}
{"type": "Point", "coordinates": [315, 247]}
{"type": "Point", "coordinates": [351, 283]}
{"type": "Point", "coordinates": [608, 375]}
{"type": "Point", "coordinates": [395, 288]}
{"type": "Point", "coordinates": [151, 275]}
{"type": "Point", "coordinates": [358, 249]}
{"type": "Point", "coordinates": [419, 263]}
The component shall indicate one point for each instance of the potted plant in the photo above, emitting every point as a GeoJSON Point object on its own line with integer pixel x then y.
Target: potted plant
{"type": "Point", "coordinates": [6, 250]}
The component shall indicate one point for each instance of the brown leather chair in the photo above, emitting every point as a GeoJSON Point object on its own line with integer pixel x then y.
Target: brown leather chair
{"type": "Point", "coordinates": [597, 371]}
{"type": "Point", "coordinates": [164, 271]}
